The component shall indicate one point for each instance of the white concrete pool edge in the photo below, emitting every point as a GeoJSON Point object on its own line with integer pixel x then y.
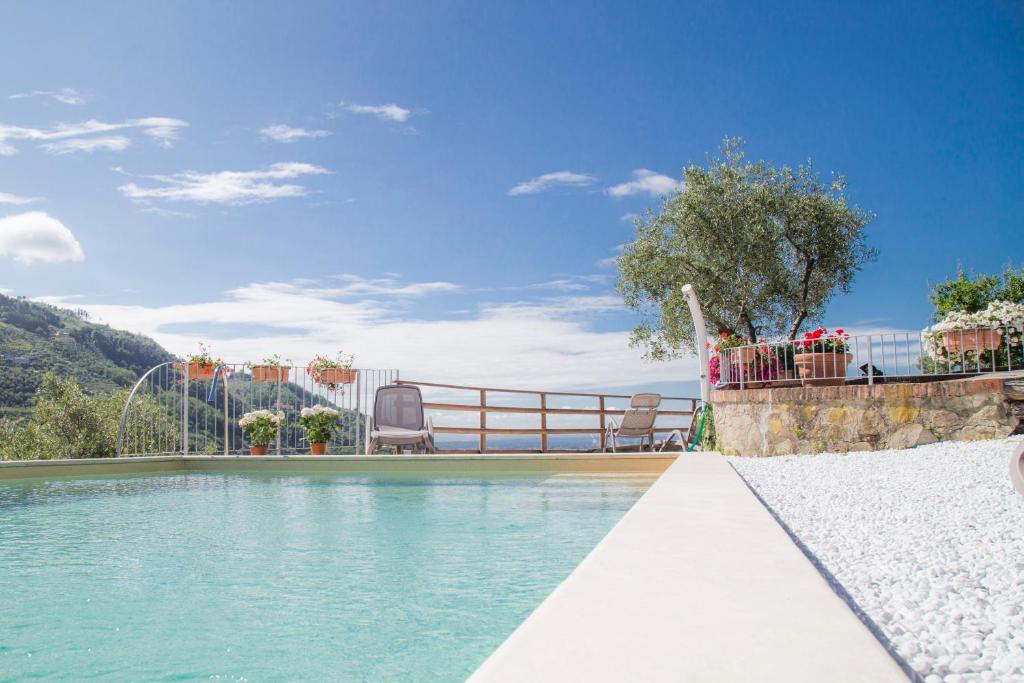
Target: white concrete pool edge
{"type": "Point", "coordinates": [697, 582]}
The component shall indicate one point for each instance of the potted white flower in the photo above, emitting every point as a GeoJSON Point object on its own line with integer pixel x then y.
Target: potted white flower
{"type": "Point", "coordinates": [983, 330]}
{"type": "Point", "coordinates": [320, 423]}
{"type": "Point", "coordinates": [261, 426]}
{"type": "Point", "coordinates": [332, 372]}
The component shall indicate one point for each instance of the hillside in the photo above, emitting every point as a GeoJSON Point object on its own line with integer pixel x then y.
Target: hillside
{"type": "Point", "coordinates": [36, 338]}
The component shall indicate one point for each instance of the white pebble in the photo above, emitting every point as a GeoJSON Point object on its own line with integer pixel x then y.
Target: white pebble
{"type": "Point", "coordinates": [927, 541]}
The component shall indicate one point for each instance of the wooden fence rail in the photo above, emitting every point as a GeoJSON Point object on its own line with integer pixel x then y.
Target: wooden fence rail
{"type": "Point", "coordinates": [482, 407]}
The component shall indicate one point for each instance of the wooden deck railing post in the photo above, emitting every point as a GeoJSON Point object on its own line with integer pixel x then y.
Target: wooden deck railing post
{"type": "Point", "coordinates": [483, 421]}
{"type": "Point", "coordinates": [602, 412]}
{"type": "Point", "coordinates": [543, 423]}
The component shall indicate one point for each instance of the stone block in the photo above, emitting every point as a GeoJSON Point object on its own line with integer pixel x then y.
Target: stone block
{"type": "Point", "coordinates": [910, 435]}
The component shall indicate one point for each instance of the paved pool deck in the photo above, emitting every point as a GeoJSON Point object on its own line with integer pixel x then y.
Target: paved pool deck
{"type": "Point", "coordinates": [698, 582]}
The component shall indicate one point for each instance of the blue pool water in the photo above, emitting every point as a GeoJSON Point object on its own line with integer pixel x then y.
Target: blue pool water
{"type": "Point", "coordinates": [237, 577]}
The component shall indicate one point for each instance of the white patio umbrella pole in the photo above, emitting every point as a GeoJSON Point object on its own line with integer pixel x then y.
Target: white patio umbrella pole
{"type": "Point", "coordinates": [702, 339]}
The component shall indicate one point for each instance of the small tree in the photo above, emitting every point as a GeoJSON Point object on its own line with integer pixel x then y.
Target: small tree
{"type": "Point", "coordinates": [766, 248]}
{"type": "Point", "coordinates": [971, 294]}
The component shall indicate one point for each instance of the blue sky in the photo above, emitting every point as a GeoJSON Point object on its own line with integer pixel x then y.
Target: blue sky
{"type": "Point", "coordinates": [319, 175]}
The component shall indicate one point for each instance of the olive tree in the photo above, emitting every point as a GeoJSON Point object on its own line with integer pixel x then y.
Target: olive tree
{"type": "Point", "coordinates": [766, 247]}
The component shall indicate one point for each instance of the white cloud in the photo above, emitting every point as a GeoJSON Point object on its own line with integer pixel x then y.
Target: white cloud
{"type": "Point", "coordinates": [6, 198]}
{"type": "Point", "coordinates": [161, 129]}
{"type": "Point", "coordinates": [645, 182]}
{"type": "Point", "coordinates": [560, 284]}
{"type": "Point", "coordinates": [283, 133]}
{"type": "Point", "coordinates": [64, 95]}
{"type": "Point", "coordinates": [385, 112]}
{"type": "Point", "coordinates": [549, 343]}
{"type": "Point", "coordinates": [611, 261]}
{"type": "Point", "coordinates": [111, 143]}
{"type": "Point", "coordinates": [389, 285]}
{"type": "Point", "coordinates": [227, 187]}
{"type": "Point", "coordinates": [37, 236]}
{"type": "Point", "coordinates": [548, 180]}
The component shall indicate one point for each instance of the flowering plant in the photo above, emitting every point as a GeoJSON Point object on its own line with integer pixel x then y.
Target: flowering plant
{"type": "Point", "coordinates": [203, 358]}
{"type": "Point", "coordinates": [822, 341]}
{"type": "Point", "coordinates": [729, 340]}
{"type": "Point", "coordinates": [274, 361]}
{"type": "Point", "coordinates": [1006, 315]}
{"type": "Point", "coordinates": [261, 426]}
{"type": "Point", "coordinates": [316, 367]}
{"type": "Point", "coordinates": [320, 423]}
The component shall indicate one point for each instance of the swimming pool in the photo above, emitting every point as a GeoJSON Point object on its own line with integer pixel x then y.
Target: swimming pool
{"type": "Point", "coordinates": [235, 577]}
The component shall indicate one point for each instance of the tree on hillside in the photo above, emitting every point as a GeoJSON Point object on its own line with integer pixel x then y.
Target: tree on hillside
{"type": "Point", "coordinates": [766, 247]}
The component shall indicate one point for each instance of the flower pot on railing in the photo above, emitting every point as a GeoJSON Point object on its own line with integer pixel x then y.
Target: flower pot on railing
{"type": "Point", "coordinates": [746, 354]}
{"type": "Point", "coordinates": [334, 376]}
{"type": "Point", "coordinates": [200, 372]}
{"type": "Point", "coordinates": [982, 338]}
{"type": "Point", "coordinates": [822, 365]}
{"type": "Point", "coordinates": [257, 450]}
{"type": "Point", "coordinates": [269, 373]}
{"type": "Point", "coordinates": [318, 448]}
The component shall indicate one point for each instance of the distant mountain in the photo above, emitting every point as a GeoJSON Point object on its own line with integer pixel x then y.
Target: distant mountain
{"type": "Point", "coordinates": [36, 338]}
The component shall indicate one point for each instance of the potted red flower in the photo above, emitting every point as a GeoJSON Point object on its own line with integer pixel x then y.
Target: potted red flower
{"type": "Point", "coordinates": [822, 354]}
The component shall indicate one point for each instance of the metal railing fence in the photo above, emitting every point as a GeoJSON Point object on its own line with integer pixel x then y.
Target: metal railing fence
{"type": "Point", "coordinates": [872, 358]}
{"type": "Point", "coordinates": [173, 409]}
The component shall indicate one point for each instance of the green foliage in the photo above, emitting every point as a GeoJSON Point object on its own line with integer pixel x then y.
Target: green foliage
{"type": "Point", "coordinates": [709, 439]}
{"type": "Point", "coordinates": [765, 247]}
{"type": "Point", "coordinates": [37, 338]}
{"type": "Point", "coordinates": [65, 422]}
{"type": "Point", "coordinates": [973, 293]}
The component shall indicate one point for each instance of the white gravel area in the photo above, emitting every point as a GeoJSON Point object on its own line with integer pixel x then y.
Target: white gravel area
{"type": "Point", "coordinates": [928, 542]}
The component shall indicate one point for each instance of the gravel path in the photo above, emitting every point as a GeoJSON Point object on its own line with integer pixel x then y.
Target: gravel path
{"type": "Point", "coordinates": [929, 543]}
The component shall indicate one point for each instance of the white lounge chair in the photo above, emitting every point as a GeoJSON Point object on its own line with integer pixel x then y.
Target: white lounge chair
{"type": "Point", "coordinates": [637, 422]}
{"type": "Point", "coordinates": [398, 420]}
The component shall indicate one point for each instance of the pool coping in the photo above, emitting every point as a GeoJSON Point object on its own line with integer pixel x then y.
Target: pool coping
{"type": "Point", "coordinates": [491, 463]}
{"type": "Point", "coordinates": [697, 582]}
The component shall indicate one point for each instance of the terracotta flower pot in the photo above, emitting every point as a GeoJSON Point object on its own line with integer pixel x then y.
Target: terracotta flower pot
{"type": "Point", "coordinates": [200, 372]}
{"type": "Point", "coordinates": [269, 373]}
{"type": "Point", "coordinates": [746, 354]}
{"type": "Point", "coordinates": [823, 365]}
{"type": "Point", "coordinates": [318, 448]}
{"type": "Point", "coordinates": [986, 338]}
{"type": "Point", "coordinates": [337, 376]}
{"type": "Point", "coordinates": [257, 450]}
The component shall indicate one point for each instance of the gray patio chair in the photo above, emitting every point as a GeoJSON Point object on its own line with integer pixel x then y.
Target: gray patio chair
{"type": "Point", "coordinates": [637, 421]}
{"type": "Point", "coordinates": [398, 420]}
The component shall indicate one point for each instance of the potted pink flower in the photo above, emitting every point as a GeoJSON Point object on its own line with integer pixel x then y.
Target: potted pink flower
{"type": "Point", "coordinates": [332, 372]}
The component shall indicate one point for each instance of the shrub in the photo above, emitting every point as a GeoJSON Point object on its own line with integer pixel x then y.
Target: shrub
{"type": "Point", "coordinates": [65, 422]}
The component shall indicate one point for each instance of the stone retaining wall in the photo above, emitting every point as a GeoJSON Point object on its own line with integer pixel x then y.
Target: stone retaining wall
{"type": "Point", "coordinates": [860, 418]}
